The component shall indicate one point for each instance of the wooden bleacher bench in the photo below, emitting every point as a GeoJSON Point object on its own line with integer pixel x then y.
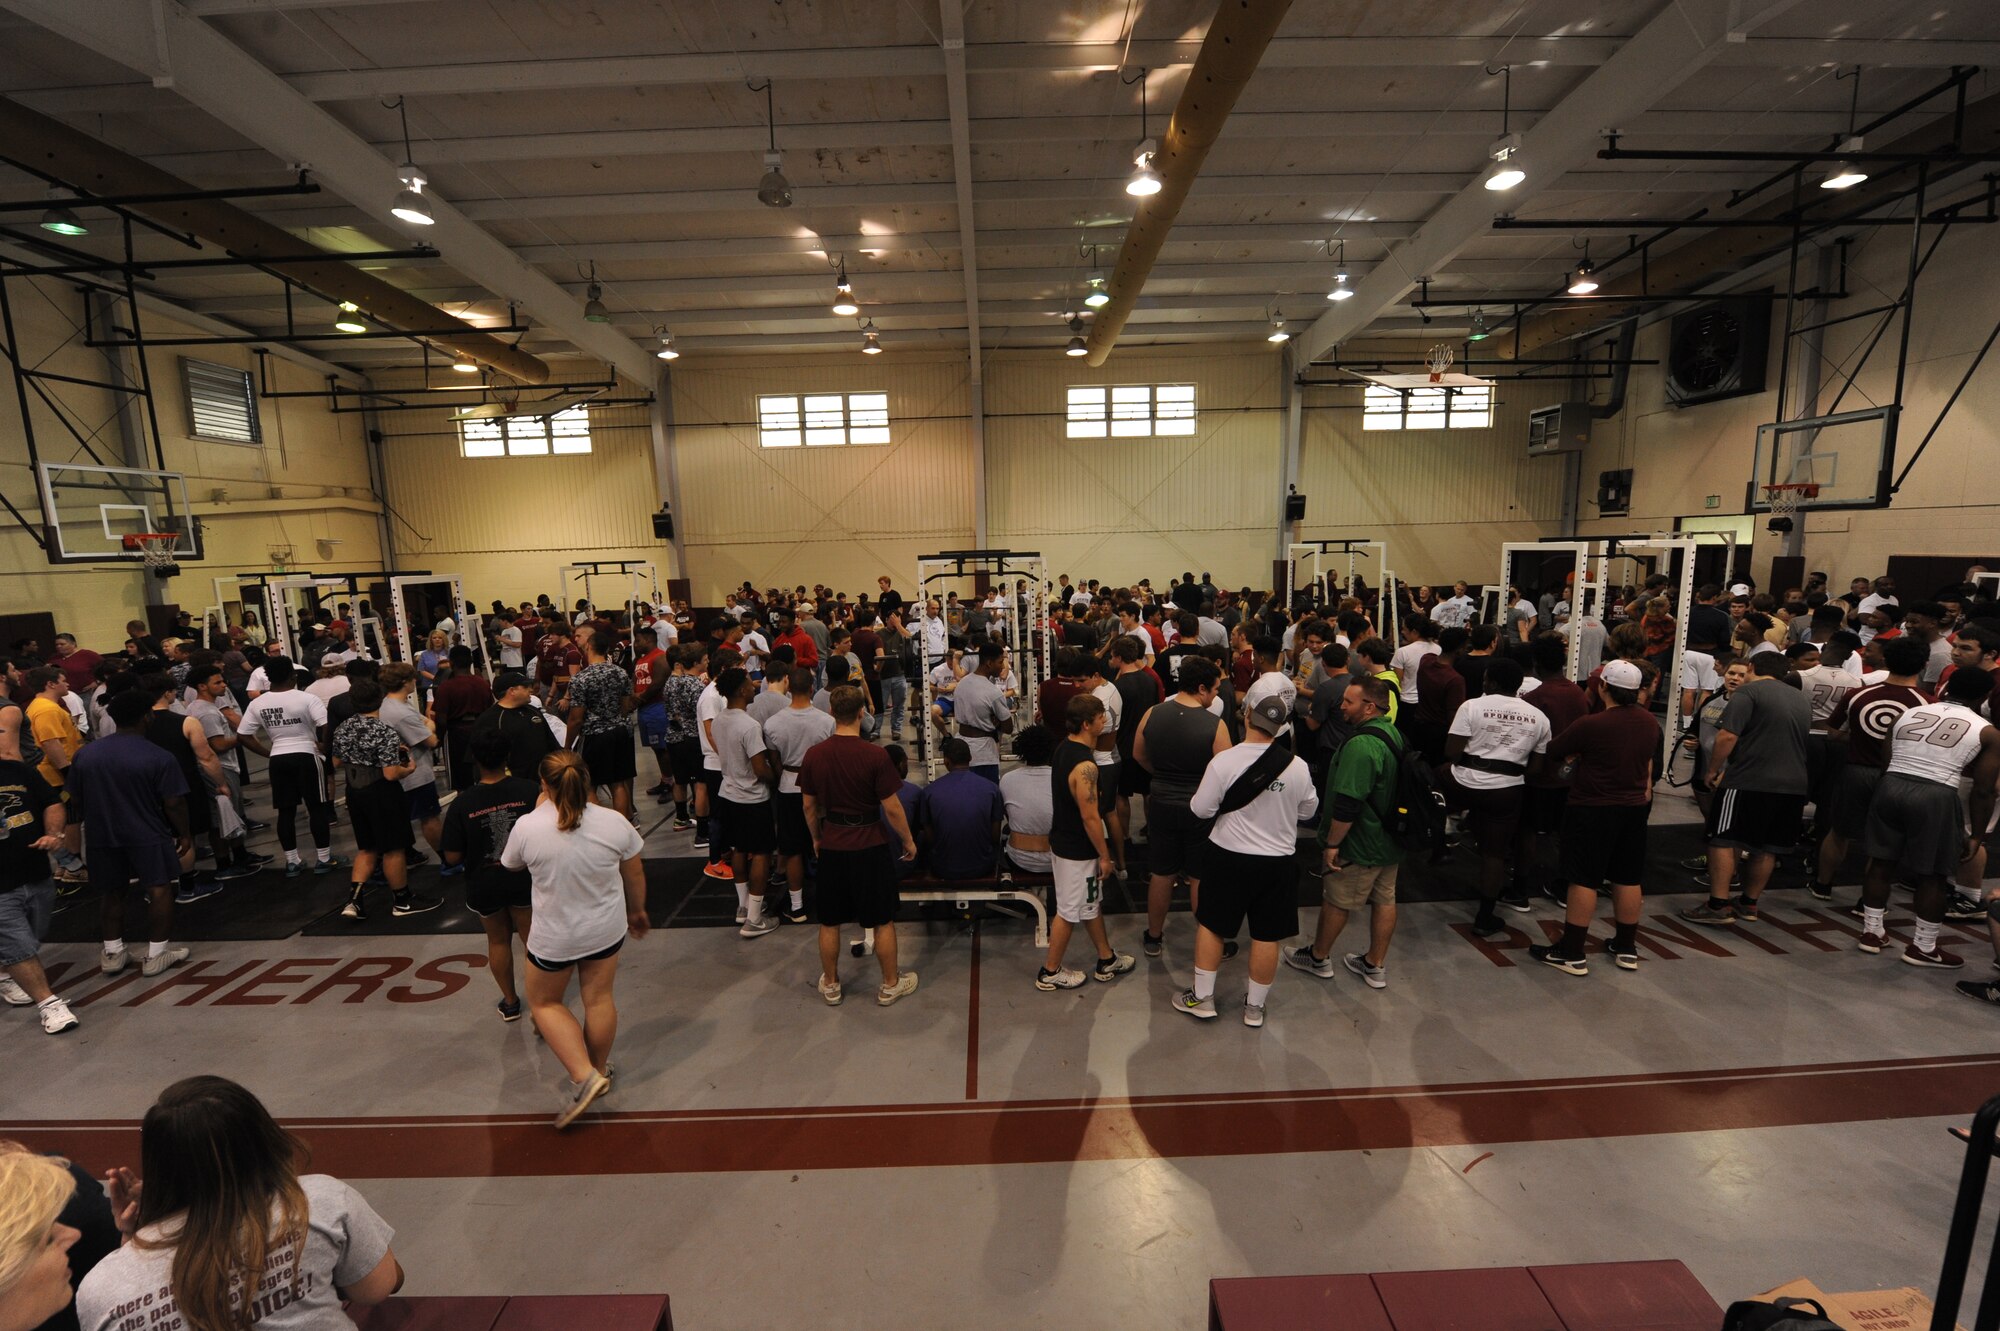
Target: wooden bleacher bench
{"type": "Point", "coordinates": [1602, 1296]}
{"type": "Point", "coordinates": [1001, 888]}
{"type": "Point", "coordinates": [536, 1312]}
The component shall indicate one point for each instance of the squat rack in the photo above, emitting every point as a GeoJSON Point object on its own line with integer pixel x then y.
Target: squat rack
{"type": "Point", "coordinates": [1348, 549]}
{"type": "Point", "coordinates": [639, 577]}
{"type": "Point", "coordinates": [1027, 616]}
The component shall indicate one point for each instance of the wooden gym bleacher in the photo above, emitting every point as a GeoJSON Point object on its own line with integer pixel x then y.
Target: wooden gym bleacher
{"type": "Point", "coordinates": [1603, 1296]}
{"type": "Point", "coordinates": [533, 1312]}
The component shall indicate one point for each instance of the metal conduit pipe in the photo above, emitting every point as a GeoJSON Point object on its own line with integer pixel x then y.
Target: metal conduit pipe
{"type": "Point", "coordinates": [1235, 43]}
{"type": "Point", "coordinates": [78, 160]}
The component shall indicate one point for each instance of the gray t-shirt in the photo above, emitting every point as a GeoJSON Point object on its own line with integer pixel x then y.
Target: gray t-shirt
{"type": "Point", "coordinates": [738, 741]}
{"type": "Point", "coordinates": [412, 730]}
{"type": "Point", "coordinates": [790, 733]}
{"type": "Point", "coordinates": [132, 1288]}
{"type": "Point", "coordinates": [213, 723]}
{"type": "Point", "coordinates": [1770, 720]}
{"type": "Point", "coordinates": [979, 704]}
{"type": "Point", "coordinates": [767, 704]}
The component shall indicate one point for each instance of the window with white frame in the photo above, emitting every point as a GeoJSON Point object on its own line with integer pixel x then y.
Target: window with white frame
{"type": "Point", "coordinates": [566, 431]}
{"type": "Point", "coordinates": [1130, 411]}
{"type": "Point", "coordinates": [822, 420]}
{"type": "Point", "coordinates": [1468, 408]}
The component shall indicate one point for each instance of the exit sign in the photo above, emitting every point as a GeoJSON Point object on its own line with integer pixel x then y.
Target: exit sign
{"type": "Point", "coordinates": [1714, 501]}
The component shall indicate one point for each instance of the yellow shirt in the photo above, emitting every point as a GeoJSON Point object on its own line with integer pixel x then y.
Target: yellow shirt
{"type": "Point", "coordinates": [52, 725]}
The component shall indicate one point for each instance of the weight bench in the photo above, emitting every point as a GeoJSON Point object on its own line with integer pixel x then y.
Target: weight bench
{"type": "Point", "coordinates": [1007, 892]}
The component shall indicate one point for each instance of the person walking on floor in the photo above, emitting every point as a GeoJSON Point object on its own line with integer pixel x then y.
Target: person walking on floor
{"type": "Point", "coordinates": [31, 825]}
{"type": "Point", "coordinates": [1360, 858]}
{"type": "Point", "coordinates": [475, 833]}
{"type": "Point", "coordinates": [132, 799]}
{"type": "Point", "coordinates": [1081, 859]}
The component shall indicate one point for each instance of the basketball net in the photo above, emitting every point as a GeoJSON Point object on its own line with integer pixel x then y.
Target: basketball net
{"type": "Point", "coordinates": [1438, 358]}
{"type": "Point", "coordinates": [1784, 500]}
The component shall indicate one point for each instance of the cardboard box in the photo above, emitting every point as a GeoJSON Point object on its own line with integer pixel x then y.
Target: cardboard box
{"type": "Point", "coordinates": [1865, 1310]}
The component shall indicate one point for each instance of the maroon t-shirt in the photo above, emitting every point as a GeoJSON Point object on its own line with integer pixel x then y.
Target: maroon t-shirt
{"type": "Point", "coordinates": [866, 643]}
{"type": "Point", "coordinates": [1440, 689]}
{"type": "Point", "coordinates": [1052, 701]}
{"type": "Point", "coordinates": [1869, 715]}
{"type": "Point", "coordinates": [1615, 752]}
{"type": "Point", "coordinates": [847, 775]}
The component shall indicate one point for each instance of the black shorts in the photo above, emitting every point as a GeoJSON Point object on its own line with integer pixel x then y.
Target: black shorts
{"type": "Point", "coordinates": [1132, 778]}
{"type": "Point", "coordinates": [490, 891]}
{"type": "Point", "coordinates": [1826, 755]}
{"type": "Point", "coordinates": [857, 887]}
{"type": "Point", "coordinates": [1492, 814]}
{"type": "Point", "coordinates": [298, 778]}
{"type": "Point", "coordinates": [1176, 840]}
{"type": "Point", "coordinates": [1263, 889]}
{"type": "Point", "coordinates": [794, 837]}
{"type": "Point", "coordinates": [1758, 821]}
{"type": "Point", "coordinates": [1916, 825]}
{"type": "Point", "coordinates": [424, 802]}
{"type": "Point", "coordinates": [113, 868]}
{"type": "Point", "coordinates": [1853, 796]}
{"type": "Point", "coordinates": [610, 757]}
{"type": "Point", "coordinates": [543, 964]}
{"type": "Point", "coordinates": [747, 827]}
{"type": "Point", "coordinates": [684, 760]}
{"type": "Point", "coordinates": [1107, 785]}
{"type": "Point", "coordinates": [1604, 843]}
{"type": "Point", "coordinates": [1542, 809]}
{"type": "Point", "coordinates": [381, 818]}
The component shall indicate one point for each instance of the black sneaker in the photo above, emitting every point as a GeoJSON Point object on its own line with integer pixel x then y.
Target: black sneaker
{"type": "Point", "coordinates": [1516, 899]}
{"type": "Point", "coordinates": [1821, 891]}
{"type": "Point", "coordinates": [794, 914]}
{"type": "Point", "coordinates": [412, 904]}
{"type": "Point", "coordinates": [1229, 948]}
{"type": "Point", "coordinates": [354, 910]}
{"type": "Point", "coordinates": [1986, 991]}
{"type": "Point", "coordinates": [1556, 893]}
{"type": "Point", "coordinates": [1548, 956]}
{"type": "Point", "coordinates": [1746, 909]}
{"type": "Point", "coordinates": [1151, 944]}
{"type": "Point", "coordinates": [1963, 907]}
{"type": "Point", "coordinates": [1492, 928]}
{"type": "Point", "coordinates": [509, 1011]}
{"type": "Point", "coordinates": [252, 825]}
{"type": "Point", "coordinates": [1624, 956]}
{"type": "Point", "coordinates": [414, 858]}
{"type": "Point", "coordinates": [700, 840]}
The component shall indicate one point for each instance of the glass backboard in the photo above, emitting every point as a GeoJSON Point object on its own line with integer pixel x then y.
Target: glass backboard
{"type": "Point", "coordinates": [88, 510]}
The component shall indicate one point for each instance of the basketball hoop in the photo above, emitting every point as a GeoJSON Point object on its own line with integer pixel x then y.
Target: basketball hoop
{"type": "Point", "coordinates": [1438, 359]}
{"type": "Point", "coordinates": [155, 548]}
{"type": "Point", "coordinates": [1784, 500]}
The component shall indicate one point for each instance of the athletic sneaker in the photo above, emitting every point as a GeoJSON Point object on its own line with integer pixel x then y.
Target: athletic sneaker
{"type": "Point", "coordinates": [161, 962]}
{"type": "Point", "coordinates": [700, 835]}
{"type": "Point", "coordinates": [1625, 958]}
{"type": "Point", "coordinates": [56, 1017]}
{"type": "Point", "coordinates": [577, 1098]}
{"type": "Point", "coordinates": [1871, 943]}
{"type": "Point", "coordinates": [252, 825]}
{"type": "Point", "coordinates": [110, 963]}
{"type": "Point", "coordinates": [742, 914]}
{"type": "Point", "coordinates": [1937, 958]}
{"type": "Point", "coordinates": [1049, 981]}
{"type": "Point", "coordinates": [905, 985]}
{"type": "Point", "coordinates": [1253, 1014]}
{"type": "Point", "coordinates": [1376, 977]}
{"type": "Point", "coordinates": [71, 877]}
{"type": "Point", "coordinates": [720, 870]}
{"type": "Point", "coordinates": [509, 1011]}
{"type": "Point", "coordinates": [1746, 910]}
{"type": "Point", "coordinates": [354, 910]}
{"type": "Point", "coordinates": [1695, 863]}
{"type": "Point", "coordinates": [794, 914]}
{"type": "Point", "coordinates": [240, 869]}
{"type": "Point", "coordinates": [451, 870]}
{"type": "Point", "coordinates": [831, 993]}
{"type": "Point", "coordinates": [198, 890]}
{"type": "Point", "coordinates": [1821, 891]}
{"type": "Point", "coordinates": [1986, 991]}
{"type": "Point", "coordinates": [1111, 967]}
{"type": "Point", "coordinates": [13, 994]}
{"type": "Point", "coordinates": [1963, 907]}
{"type": "Point", "coordinates": [1302, 958]}
{"type": "Point", "coordinates": [1151, 944]}
{"type": "Point", "coordinates": [1556, 893]}
{"type": "Point", "coordinates": [1228, 948]}
{"type": "Point", "coordinates": [1516, 899]}
{"type": "Point", "coordinates": [758, 928]}
{"type": "Point", "coordinates": [1492, 930]}
{"type": "Point", "coordinates": [1201, 1009]}
{"type": "Point", "coordinates": [683, 824]}
{"type": "Point", "coordinates": [411, 904]}
{"type": "Point", "coordinates": [294, 868]}
{"type": "Point", "coordinates": [328, 865]}
{"type": "Point", "coordinates": [1546, 954]}
{"type": "Point", "coordinates": [1708, 912]}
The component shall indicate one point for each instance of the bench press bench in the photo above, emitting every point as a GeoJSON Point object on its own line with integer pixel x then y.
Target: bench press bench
{"type": "Point", "coordinates": [1007, 890]}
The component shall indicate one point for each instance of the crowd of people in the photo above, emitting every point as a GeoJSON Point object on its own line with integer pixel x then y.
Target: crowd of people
{"type": "Point", "coordinates": [1216, 728]}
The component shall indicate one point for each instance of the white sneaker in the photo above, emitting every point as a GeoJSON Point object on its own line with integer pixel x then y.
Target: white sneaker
{"type": "Point", "coordinates": [162, 962]}
{"type": "Point", "coordinates": [758, 928]}
{"type": "Point", "coordinates": [906, 984]}
{"type": "Point", "coordinates": [830, 992]}
{"type": "Point", "coordinates": [742, 914]}
{"type": "Point", "coordinates": [13, 994]}
{"type": "Point", "coordinates": [56, 1017]}
{"type": "Point", "coordinates": [577, 1098]}
{"type": "Point", "coordinates": [1202, 1009]}
{"type": "Point", "coordinates": [1049, 981]}
{"type": "Point", "coordinates": [1302, 958]}
{"type": "Point", "coordinates": [110, 963]}
{"type": "Point", "coordinates": [1253, 1014]}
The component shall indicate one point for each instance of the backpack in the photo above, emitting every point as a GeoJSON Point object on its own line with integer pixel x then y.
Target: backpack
{"type": "Point", "coordinates": [1414, 818]}
{"type": "Point", "coordinates": [1781, 1315]}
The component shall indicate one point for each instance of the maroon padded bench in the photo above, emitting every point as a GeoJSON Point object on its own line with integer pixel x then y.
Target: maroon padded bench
{"type": "Point", "coordinates": [1605, 1296]}
{"type": "Point", "coordinates": [537, 1312]}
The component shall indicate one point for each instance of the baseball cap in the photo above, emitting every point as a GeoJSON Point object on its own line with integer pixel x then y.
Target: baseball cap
{"type": "Point", "coordinates": [509, 679]}
{"type": "Point", "coordinates": [1271, 715]}
{"type": "Point", "coordinates": [1623, 675]}
{"type": "Point", "coordinates": [1739, 589]}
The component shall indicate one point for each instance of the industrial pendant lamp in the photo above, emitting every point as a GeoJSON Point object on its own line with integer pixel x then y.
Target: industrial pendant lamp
{"type": "Point", "coordinates": [1341, 291]}
{"type": "Point", "coordinates": [1508, 168]}
{"type": "Point", "coordinates": [410, 205]}
{"type": "Point", "coordinates": [1478, 333]}
{"type": "Point", "coordinates": [593, 300]}
{"type": "Point", "coordinates": [1584, 280]}
{"type": "Point", "coordinates": [464, 364]}
{"type": "Point", "coordinates": [1077, 346]}
{"type": "Point", "coordinates": [1847, 174]}
{"type": "Point", "coordinates": [844, 303]}
{"type": "Point", "coordinates": [1278, 333]}
{"type": "Point", "coordinates": [1145, 180]}
{"type": "Point", "coordinates": [60, 219]}
{"type": "Point", "coordinates": [871, 341]}
{"type": "Point", "coordinates": [667, 350]}
{"type": "Point", "coordinates": [773, 191]}
{"type": "Point", "coordinates": [350, 320]}
{"type": "Point", "coordinates": [1098, 296]}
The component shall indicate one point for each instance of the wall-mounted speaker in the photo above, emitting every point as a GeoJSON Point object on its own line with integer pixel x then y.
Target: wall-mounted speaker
{"type": "Point", "coordinates": [663, 525]}
{"type": "Point", "coordinates": [1295, 508]}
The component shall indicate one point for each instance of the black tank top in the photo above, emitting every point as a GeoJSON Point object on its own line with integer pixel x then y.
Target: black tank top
{"type": "Point", "coordinates": [164, 729]}
{"type": "Point", "coordinates": [1067, 836]}
{"type": "Point", "coordinates": [1179, 742]}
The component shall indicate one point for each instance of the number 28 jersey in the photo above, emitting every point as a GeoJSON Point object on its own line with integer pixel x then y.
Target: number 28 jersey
{"type": "Point", "coordinates": [1936, 742]}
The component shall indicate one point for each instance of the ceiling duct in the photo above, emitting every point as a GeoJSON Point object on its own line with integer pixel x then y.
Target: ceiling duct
{"type": "Point", "coordinates": [54, 149]}
{"type": "Point", "coordinates": [1230, 52]}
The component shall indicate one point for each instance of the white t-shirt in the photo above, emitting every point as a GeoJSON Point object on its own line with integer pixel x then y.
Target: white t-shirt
{"type": "Point", "coordinates": [1873, 602]}
{"type": "Point", "coordinates": [738, 741]}
{"type": "Point", "coordinates": [1453, 612]}
{"type": "Point", "coordinates": [1114, 709]}
{"type": "Point", "coordinates": [1936, 742]}
{"type": "Point", "coordinates": [345, 1240]}
{"type": "Point", "coordinates": [1698, 671]}
{"type": "Point", "coordinates": [1267, 825]}
{"type": "Point", "coordinates": [710, 705]}
{"type": "Point", "coordinates": [1030, 802]}
{"type": "Point", "coordinates": [1824, 687]}
{"type": "Point", "coordinates": [289, 721]}
{"type": "Point", "coordinates": [1143, 638]}
{"type": "Point", "coordinates": [935, 633]}
{"type": "Point", "coordinates": [579, 893]}
{"type": "Point", "coordinates": [1501, 728]}
{"type": "Point", "coordinates": [754, 649]}
{"type": "Point", "coordinates": [259, 682]}
{"type": "Point", "coordinates": [326, 690]}
{"type": "Point", "coordinates": [510, 647]}
{"type": "Point", "coordinates": [1405, 663]}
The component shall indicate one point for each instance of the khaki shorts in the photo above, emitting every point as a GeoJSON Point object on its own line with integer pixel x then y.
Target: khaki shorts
{"type": "Point", "coordinates": [1358, 885]}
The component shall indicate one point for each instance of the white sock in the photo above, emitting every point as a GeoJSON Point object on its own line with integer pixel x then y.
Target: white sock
{"type": "Point", "coordinates": [798, 900]}
{"type": "Point", "coordinates": [324, 854]}
{"type": "Point", "coordinates": [155, 949]}
{"type": "Point", "coordinates": [1204, 984]}
{"type": "Point", "coordinates": [1258, 993]}
{"type": "Point", "coordinates": [755, 905]}
{"type": "Point", "coordinates": [46, 1001]}
{"type": "Point", "coordinates": [1871, 918]}
{"type": "Point", "coordinates": [742, 896]}
{"type": "Point", "coordinates": [292, 857]}
{"type": "Point", "coordinates": [1924, 937]}
{"type": "Point", "coordinates": [114, 946]}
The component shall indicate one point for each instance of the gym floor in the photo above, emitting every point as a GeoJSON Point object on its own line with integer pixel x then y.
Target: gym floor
{"type": "Point", "coordinates": [1761, 1103]}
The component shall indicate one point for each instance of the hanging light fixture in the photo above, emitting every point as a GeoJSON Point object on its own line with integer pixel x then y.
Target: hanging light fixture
{"type": "Point", "coordinates": [60, 219]}
{"type": "Point", "coordinates": [1145, 180]}
{"type": "Point", "coordinates": [1846, 174]}
{"type": "Point", "coordinates": [349, 320]}
{"type": "Point", "coordinates": [1341, 291]}
{"type": "Point", "coordinates": [773, 191]}
{"type": "Point", "coordinates": [667, 349]}
{"type": "Point", "coordinates": [1098, 297]}
{"type": "Point", "coordinates": [844, 303]}
{"type": "Point", "coordinates": [410, 204]}
{"type": "Point", "coordinates": [1584, 280]}
{"type": "Point", "coordinates": [871, 341]}
{"type": "Point", "coordinates": [1278, 333]}
{"type": "Point", "coordinates": [1509, 169]}
{"type": "Point", "coordinates": [1478, 333]}
{"type": "Point", "coordinates": [1077, 346]}
{"type": "Point", "coordinates": [593, 300]}
{"type": "Point", "coordinates": [464, 364]}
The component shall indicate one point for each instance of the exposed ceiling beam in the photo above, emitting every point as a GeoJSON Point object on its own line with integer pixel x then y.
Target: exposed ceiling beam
{"type": "Point", "coordinates": [1682, 38]}
{"type": "Point", "coordinates": [163, 41]}
{"type": "Point", "coordinates": [951, 16]}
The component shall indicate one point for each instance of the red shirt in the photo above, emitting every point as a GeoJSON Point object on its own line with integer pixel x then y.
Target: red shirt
{"type": "Point", "coordinates": [1869, 715]}
{"type": "Point", "coordinates": [642, 671]}
{"type": "Point", "coordinates": [79, 668]}
{"type": "Point", "coordinates": [806, 652]}
{"type": "Point", "coordinates": [1243, 669]}
{"type": "Point", "coordinates": [459, 700]}
{"type": "Point", "coordinates": [1440, 689]}
{"type": "Point", "coordinates": [531, 635]}
{"type": "Point", "coordinates": [1052, 701]}
{"type": "Point", "coordinates": [557, 659]}
{"type": "Point", "coordinates": [866, 643]}
{"type": "Point", "coordinates": [1615, 750]}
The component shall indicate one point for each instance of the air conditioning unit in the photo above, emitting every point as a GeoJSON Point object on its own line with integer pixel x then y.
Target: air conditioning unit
{"type": "Point", "coordinates": [1717, 351]}
{"type": "Point", "coordinates": [1562, 428]}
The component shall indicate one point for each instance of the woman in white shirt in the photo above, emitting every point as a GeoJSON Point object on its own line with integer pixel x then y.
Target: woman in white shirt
{"type": "Point", "coordinates": [589, 893]}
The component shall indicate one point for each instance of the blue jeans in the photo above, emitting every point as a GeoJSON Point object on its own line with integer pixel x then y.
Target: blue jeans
{"type": "Point", "coordinates": [895, 703]}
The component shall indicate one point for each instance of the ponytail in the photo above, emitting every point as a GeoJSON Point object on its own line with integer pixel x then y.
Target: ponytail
{"type": "Point", "coordinates": [568, 782]}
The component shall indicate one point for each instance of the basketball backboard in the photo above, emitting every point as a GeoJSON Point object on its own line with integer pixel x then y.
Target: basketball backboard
{"type": "Point", "coordinates": [88, 510]}
{"type": "Point", "coordinates": [1848, 456]}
